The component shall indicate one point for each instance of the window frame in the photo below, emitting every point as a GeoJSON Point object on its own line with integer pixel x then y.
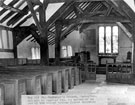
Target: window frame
{"type": "Point", "coordinates": [105, 25]}
{"type": "Point", "coordinates": [67, 51]}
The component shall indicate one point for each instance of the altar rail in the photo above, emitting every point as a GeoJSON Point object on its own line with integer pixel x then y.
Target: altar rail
{"type": "Point", "coordinates": [119, 73]}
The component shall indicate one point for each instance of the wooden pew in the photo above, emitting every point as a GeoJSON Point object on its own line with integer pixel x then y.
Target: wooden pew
{"type": "Point", "coordinates": [16, 85]}
{"type": "Point", "coordinates": [2, 89]}
{"type": "Point", "coordinates": [12, 61]}
{"type": "Point", "coordinates": [33, 79]}
{"type": "Point", "coordinates": [65, 79]}
{"type": "Point", "coordinates": [71, 78]}
{"type": "Point", "coordinates": [119, 73]}
{"type": "Point", "coordinates": [46, 83]}
{"type": "Point", "coordinates": [38, 80]}
{"type": "Point", "coordinates": [13, 89]}
{"type": "Point", "coordinates": [57, 71]}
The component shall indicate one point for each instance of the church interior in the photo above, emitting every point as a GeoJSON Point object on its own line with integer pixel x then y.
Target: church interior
{"type": "Point", "coordinates": [66, 47]}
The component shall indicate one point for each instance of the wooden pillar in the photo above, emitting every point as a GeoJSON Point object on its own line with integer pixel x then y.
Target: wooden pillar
{"type": "Point", "coordinates": [44, 50]}
{"type": "Point", "coordinates": [133, 29]}
{"type": "Point", "coordinates": [15, 45]}
{"type": "Point", "coordinates": [42, 28]}
{"type": "Point", "coordinates": [58, 27]}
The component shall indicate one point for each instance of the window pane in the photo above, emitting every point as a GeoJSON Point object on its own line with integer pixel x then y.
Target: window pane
{"type": "Point", "coordinates": [115, 39]}
{"type": "Point", "coordinates": [69, 51]}
{"type": "Point", "coordinates": [101, 39]}
{"type": "Point", "coordinates": [115, 30]}
{"type": "Point", "coordinates": [108, 39]}
{"type": "Point", "coordinates": [10, 40]}
{"type": "Point", "coordinates": [64, 51]}
{"type": "Point", "coordinates": [64, 47]}
{"type": "Point", "coordinates": [33, 53]}
{"type": "Point", "coordinates": [36, 53]}
{"type": "Point", "coordinates": [0, 40]}
{"type": "Point", "coordinates": [5, 39]}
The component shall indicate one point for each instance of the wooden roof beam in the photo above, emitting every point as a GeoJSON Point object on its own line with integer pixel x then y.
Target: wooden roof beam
{"type": "Point", "coordinates": [98, 19]}
{"type": "Point", "coordinates": [108, 11]}
{"type": "Point", "coordinates": [70, 27]}
{"type": "Point", "coordinates": [58, 1]}
{"type": "Point", "coordinates": [9, 7]}
{"type": "Point", "coordinates": [34, 14]}
{"type": "Point", "coordinates": [124, 6]}
{"type": "Point", "coordinates": [117, 8]}
{"type": "Point", "coordinates": [18, 16]}
{"type": "Point", "coordinates": [93, 13]}
{"type": "Point", "coordinates": [25, 19]}
{"type": "Point", "coordinates": [59, 13]}
{"type": "Point", "coordinates": [125, 30]}
{"type": "Point", "coordinates": [10, 4]}
{"type": "Point", "coordinates": [11, 13]}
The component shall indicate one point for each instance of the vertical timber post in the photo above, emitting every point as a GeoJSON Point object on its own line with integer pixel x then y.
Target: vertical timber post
{"type": "Point", "coordinates": [58, 27]}
{"type": "Point", "coordinates": [133, 29]}
{"type": "Point", "coordinates": [42, 28]}
{"type": "Point", "coordinates": [14, 45]}
{"type": "Point", "coordinates": [44, 50]}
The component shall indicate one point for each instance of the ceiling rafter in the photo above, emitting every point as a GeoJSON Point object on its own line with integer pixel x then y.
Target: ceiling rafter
{"type": "Point", "coordinates": [11, 13]}
{"type": "Point", "coordinates": [78, 11]}
{"type": "Point", "coordinates": [128, 32]}
{"type": "Point", "coordinates": [18, 16]}
{"type": "Point", "coordinates": [67, 30]}
{"type": "Point", "coordinates": [33, 14]}
{"type": "Point", "coordinates": [108, 11]}
{"type": "Point", "coordinates": [101, 10]}
{"type": "Point", "coordinates": [90, 10]}
{"type": "Point", "coordinates": [27, 17]}
{"type": "Point", "coordinates": [59, 13]}
{"type": "Point", "coordinates": [10, 4]}
{"type": "Point", "coordinates": [97, 19]}
{"type": "Point", "coordinates": [59, 1]}
{"type": "Point", "coordinates": [119, 10]}
{"type": "Point", "coordinates": [123, 6]}
{"type": "Point", "coordinates": [9, 7]}
{"type": "Point", "coordinates": [29, 38]}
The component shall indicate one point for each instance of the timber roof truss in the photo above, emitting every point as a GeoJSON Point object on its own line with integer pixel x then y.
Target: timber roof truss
{"type": "Point", "coordinates": [72, 14]}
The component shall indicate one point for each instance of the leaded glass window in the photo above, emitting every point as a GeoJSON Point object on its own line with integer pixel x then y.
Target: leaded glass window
{"type": "Point", "coordinates": [108, 39]}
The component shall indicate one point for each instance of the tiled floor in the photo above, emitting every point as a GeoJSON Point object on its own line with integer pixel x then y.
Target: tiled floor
{"type": "Point", "coordinates": [105, 93]}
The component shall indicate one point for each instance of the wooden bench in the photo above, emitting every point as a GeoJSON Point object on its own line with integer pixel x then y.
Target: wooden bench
{"type": "Point", "coordinates": [33, 77]}
{"type": "Point", "coordinates": [56, 78]}
{"type": "Point", "coordinates": [119, 73]}
{"type": "Point", "coordinates": [71, 78]}
{"type": "Point", "coordinates": [13, 89]}
{"type": "Point", "coordinates": [65, 80]}
{"type": "Point", "coordinates": [36, 80]}
{"type": "Point", "coordinates": [2, 90]}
